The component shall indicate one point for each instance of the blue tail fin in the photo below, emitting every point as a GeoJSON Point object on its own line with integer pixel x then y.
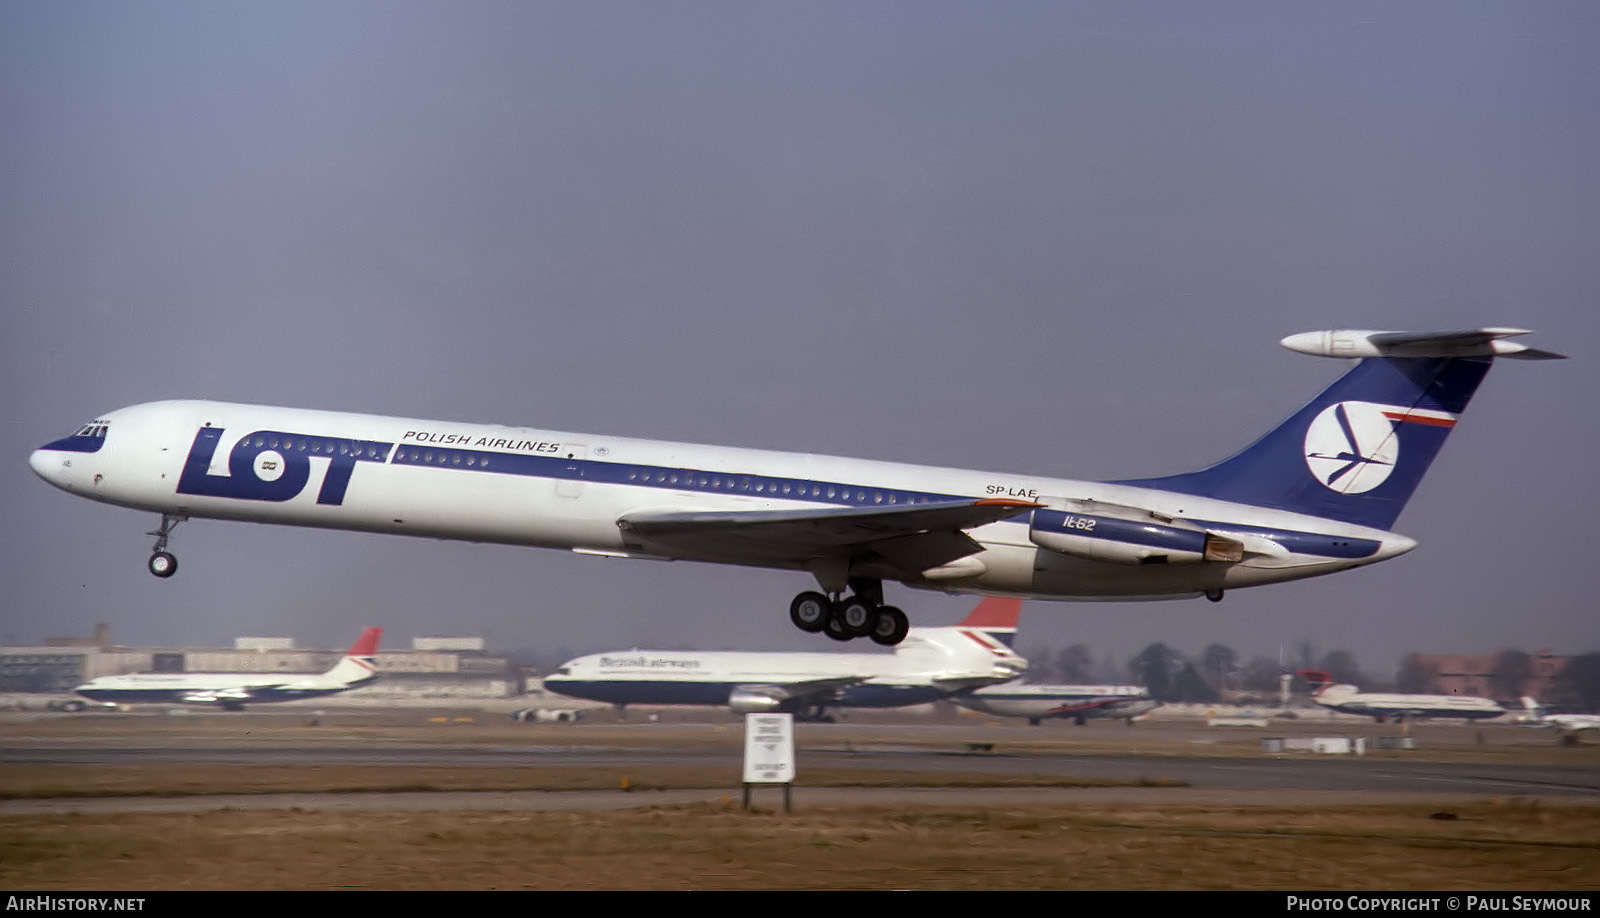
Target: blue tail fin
{"type": "Point", "coordinates": [1354, 453]}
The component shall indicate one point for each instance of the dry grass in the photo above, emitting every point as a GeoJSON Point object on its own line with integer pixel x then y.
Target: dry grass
{"type": "Point", "coordinates": [1482, 845]}
{"type": "Point", "coordinates": [82, 781]}
{"type": "Point", "coordinates": [1486, 846]}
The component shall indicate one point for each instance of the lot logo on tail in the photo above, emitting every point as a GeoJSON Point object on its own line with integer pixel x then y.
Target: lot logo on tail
{"type": "Point", "coordinates": [1352, 447]}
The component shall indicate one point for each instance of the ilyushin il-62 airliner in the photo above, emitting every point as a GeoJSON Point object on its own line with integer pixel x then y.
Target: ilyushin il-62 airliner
{"type": "Point", "coordinates": [1315, 495]}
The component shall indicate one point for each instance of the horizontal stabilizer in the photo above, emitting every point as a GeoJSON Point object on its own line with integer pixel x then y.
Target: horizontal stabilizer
{"type": "Point", "coordinates": [1473, 342]}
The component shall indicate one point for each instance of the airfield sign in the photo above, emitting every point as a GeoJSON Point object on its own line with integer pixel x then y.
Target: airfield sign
{"type": "Point", "coordinates": [768, 748]}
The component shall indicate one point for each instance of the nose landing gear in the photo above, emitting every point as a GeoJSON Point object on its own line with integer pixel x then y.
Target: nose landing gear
{"type": "Point", "coordinates": [162, 562]}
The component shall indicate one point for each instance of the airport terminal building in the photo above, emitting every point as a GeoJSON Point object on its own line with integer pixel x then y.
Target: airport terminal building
{"type": "Point", "coordinates": [434, 667]}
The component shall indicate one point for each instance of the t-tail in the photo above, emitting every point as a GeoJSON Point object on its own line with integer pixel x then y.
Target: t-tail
{"type": "Point", "coordinates": [1357, 451]}
{"type": "Point", "coordinates": [358, 666]}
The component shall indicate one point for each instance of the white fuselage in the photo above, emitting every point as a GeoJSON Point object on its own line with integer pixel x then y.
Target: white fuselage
{"type": "Point", "coordinates": [211, 688]}
{"type": "Point", "coordinates": [1570, 723]}
{"type": "Point", "coordinates": [552, 489]}
{"type": "Point", "coordinates": [1070, 701]}
{"type": "Point", "coordinates": [1347, 700]}
{"type": "Point", "coordinates": [930, 664]}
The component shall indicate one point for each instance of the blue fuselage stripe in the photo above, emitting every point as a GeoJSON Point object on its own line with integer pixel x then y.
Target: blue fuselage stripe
{"type": "Point", "coordinates": [593, 471]}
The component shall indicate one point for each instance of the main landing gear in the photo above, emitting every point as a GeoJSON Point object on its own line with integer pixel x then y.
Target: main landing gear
{"type": "Point", "coordinates": [846, 619]}
{"type": "Point", "coordinates": [162, 562]}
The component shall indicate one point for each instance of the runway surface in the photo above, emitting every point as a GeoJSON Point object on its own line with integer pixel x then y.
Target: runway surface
{"type": "Point", "coordinates": [1179, 764]}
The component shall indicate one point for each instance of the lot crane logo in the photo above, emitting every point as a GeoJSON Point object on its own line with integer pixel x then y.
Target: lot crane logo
{"type": "Point", "coordinates": [1352, 447]}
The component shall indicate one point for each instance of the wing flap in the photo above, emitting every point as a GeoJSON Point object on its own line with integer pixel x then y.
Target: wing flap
{"type": "Point", "coordinates": [926, 534]}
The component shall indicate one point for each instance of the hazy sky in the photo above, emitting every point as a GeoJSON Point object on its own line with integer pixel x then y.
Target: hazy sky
{"type": "Point", "coordinates": [1052, 238]}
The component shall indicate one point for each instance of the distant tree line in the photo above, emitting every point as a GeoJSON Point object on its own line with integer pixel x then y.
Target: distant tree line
{"type": "Point", "coordinates": [1220, 674]}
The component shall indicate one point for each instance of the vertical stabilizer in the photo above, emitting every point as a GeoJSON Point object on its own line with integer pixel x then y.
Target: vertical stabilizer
{"type": "Point", "coordinates": [1357, 451]}
{"type": "Point", "coordinates": [997, 617]}
{"type": "Point", "coordinates": [358, 666]}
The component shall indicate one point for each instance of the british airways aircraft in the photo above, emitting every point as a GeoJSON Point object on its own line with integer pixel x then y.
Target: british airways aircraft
{"type": "Point", "coordinates": [232, 691]}
{"type": "Point", "coordinates": [930, 664]}
{"type": "Point", "coordinates": [1081, 703]}
{"type": "Point", "coordinates": [1570, 725]}
{"type": "Point", "coordinates": [1315, 495]}
{"type": "Point", "coordinates": [1385, 706]}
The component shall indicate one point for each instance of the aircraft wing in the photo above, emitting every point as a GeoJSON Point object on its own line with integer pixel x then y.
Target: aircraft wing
{"type": "Point", "coordinates": [242, 693]}
{"type": "Point", "coordinates": [955, 685]}
{"type": "Point", "coordinates": [912, 537]}
{"type": "Point", "coordinates": [806, 688]}
{"type": "Point", "coordinates": [1080, 707]}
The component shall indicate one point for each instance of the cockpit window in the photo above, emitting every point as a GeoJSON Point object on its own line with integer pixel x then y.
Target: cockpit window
{"type": "Point", "coordinates": [87, 439]}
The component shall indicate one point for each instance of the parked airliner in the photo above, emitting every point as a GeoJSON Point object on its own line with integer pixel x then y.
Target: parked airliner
{"type": "Point", "coordinates": [1570, 725]}
{"type": "Point", "coordinates": [1080, 703]}
{"type": "Point", "coordinates": [1384, 706]}
{"type": "Point", "coordinates": [232, 691]}
{"type": "Point", "coordinates": [929, 664]}
{"type": "Point", "coordinates": [1315, 495]}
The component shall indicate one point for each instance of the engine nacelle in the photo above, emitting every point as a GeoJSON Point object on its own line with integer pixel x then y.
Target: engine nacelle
{"type": "Point", "coordinates": [208, 698]}
{"type": "Point", "coordinates": [1123, 538]}
{"type": "Point", "coordinates": [745, 700]}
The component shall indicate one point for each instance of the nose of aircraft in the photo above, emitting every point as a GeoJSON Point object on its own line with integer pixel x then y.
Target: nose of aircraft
{"type": "Point", "coordinates": [44, 462]}
{"type": "Point", "coordinates": [52, 465]}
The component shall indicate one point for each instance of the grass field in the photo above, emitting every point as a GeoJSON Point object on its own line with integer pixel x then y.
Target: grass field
{"type": "Point", "coordinates": [1480, 846]}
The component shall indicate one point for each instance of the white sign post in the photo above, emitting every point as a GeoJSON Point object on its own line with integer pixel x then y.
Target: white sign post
{"type": "Point", "coordinates": [768, 753]}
